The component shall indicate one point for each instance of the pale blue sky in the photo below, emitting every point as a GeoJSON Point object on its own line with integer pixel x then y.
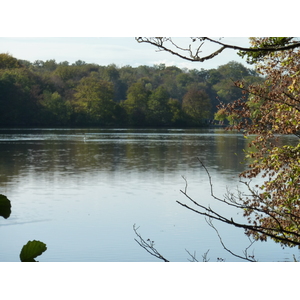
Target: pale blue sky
{"type": "Point", "coordinates": [91, 18]}
{"type": "Point", "coordinates": [107, 50]}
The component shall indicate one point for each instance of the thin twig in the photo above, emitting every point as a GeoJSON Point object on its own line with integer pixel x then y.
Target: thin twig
{"type": "Point", "coordinates": [193, 256]}
{"type": "Point", "coordinates": [186, 184]}
{"type": "Point", "coordinates": [148, 245]}
{"type": "Point", "coordinates": [209, 222]}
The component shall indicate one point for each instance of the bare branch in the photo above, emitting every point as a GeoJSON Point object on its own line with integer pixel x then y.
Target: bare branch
{"type": "Point", "coordinates": [186, 184]}
{"type": "Point", "coordinates": [193, 256]}
{"type": "Point", "coordinates": [159, 42]}
{"type": "Point", "coordinates": [148, 245]}
{"type": "Point", "coordinates": [204, 256]}
{"type": "Point", "coordinates": [246, 257]}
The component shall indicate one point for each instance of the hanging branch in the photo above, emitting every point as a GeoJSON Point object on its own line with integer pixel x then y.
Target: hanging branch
{"type": "Point", "coordinates": [194, 56]}
{"type": "Point", "coordinates": [245, 257]}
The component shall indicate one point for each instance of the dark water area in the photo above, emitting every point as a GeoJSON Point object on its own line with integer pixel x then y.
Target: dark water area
{"type": "Point", "coordinates": [81, 190]}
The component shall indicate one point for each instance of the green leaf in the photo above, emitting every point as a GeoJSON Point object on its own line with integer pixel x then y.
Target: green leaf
{"type": "Point", "coordinates": [31, 250]}
{"type": "Point", "coordinates": [5, 207]}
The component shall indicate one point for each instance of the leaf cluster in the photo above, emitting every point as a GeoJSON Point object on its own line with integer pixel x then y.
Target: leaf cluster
{"type": "Point", "coordinates": [265, 47]}
{"type": "Point", "coordinates": [273, 109]}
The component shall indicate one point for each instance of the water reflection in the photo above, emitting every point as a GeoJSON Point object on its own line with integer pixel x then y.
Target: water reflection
{"type": "Point", "coordinates": [90, 186]}
{"type": "Point", "coordinates": [115, 151]}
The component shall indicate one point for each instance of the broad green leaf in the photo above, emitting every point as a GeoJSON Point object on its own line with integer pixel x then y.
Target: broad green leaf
{"type": "Point", "coordinates": [31, 250]}
{"type": "Point", "coordinates": [5, 207]}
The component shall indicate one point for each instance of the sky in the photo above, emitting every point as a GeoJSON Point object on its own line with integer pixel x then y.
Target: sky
{"type": "Point", "coordinates": [103, 32]}
{"type": "Point", "coordinates": [121, 51]}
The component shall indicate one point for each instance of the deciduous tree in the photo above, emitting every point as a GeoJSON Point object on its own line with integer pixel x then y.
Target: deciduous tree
{"type": "Point", "coordinates": [8, 62]}
{"type": "Point", "coordinates": [56, 109]}
{"type": "Point", "coordinates": [196, 105]}
{"type": "Point", "coordinates": [136, 103]}
{"type": "Point", "coordinates": [159, 112]}
{"type": "Point", "coordinates": [273, 109]}
{"type": "Point", "coordinates": [94, 98]}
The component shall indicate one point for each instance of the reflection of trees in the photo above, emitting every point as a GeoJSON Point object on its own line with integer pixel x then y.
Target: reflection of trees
{"type": "Point", "coordinates": [137, 151]}
{"type": "Point", "coordinates": [229, 151]}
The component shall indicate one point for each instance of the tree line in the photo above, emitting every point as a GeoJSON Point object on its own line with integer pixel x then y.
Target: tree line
{"type": "Point", "coordinates": [47, 93]}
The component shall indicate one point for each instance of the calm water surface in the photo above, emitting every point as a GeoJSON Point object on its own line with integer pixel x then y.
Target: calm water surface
{"type": "Point", "coordinates": [81, 190]}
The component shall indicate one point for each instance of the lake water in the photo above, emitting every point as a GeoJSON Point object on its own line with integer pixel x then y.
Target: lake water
{"type": "Point", "coordinates": [80, 191]}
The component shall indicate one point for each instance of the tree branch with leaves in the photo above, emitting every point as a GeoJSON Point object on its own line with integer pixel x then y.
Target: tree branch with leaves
{"type": "Point", "coordinates": [266, 111]}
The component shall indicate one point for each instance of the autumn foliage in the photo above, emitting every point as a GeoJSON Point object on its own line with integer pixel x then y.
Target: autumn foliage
{"type": "Point", "coordinates": [267, 111]}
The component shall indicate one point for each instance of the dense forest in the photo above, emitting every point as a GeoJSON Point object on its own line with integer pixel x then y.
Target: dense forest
{"type": "Point", "coordinates": [47, 93]}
